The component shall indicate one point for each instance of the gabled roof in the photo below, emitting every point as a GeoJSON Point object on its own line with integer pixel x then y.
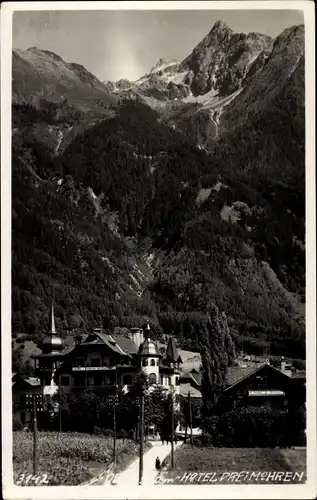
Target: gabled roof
{"type": "Point", "coordinates": [237, 377]}
{"type": "Point", "coordinates": [194, 378]}
{"type": "Point", "coordinates": [197, 377]}
{"type": "Point", "coordinates": [184, 389]}
{"type": "Point", "coordinates": [172, 353]}
{"type": "Point", "coordinates": [98, 337]}
{"type": "Point", "coordinates": [20, 380]}
{"type": "Point", "coordinates": [125, 343]}
{"type": "Point", "coordinates": [33, 381]}
{"type": "Point", "coordinates": [237, 373]}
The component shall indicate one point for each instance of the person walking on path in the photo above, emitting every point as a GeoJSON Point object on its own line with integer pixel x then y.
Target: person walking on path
{"type": "Point", "coordinates": [157, 463]}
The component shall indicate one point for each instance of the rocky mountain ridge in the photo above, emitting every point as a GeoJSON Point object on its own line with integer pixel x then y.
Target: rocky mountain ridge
{"type": "Point", "coordinates": [141, 199]}
{"type": "Point", "coordinates": [220, 84]}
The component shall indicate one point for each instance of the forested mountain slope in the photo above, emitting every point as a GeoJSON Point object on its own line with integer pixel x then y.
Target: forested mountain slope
{"type": "Point", "coordinates": [124, 209]}
{"type": "Point", "coordinates": [133, 220]}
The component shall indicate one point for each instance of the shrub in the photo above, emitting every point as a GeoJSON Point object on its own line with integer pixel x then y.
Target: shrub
{"type": "Point", "coordinates": [17, 424]}
{"type": "Point", "coordinates": [255, 426]}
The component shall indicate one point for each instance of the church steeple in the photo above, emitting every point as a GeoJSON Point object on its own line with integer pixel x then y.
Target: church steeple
{"type": "Point", "coordinates": [51, 328]}
{"type": "Point", "coordinates": [51, 342]}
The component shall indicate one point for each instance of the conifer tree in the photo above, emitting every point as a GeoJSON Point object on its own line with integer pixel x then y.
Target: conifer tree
{"type": "Point", "coordinates": [217, 353]}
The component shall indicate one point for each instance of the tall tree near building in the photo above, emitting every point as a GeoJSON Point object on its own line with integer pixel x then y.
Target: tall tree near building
{"type": "Point", "coordinates": [217, 353]}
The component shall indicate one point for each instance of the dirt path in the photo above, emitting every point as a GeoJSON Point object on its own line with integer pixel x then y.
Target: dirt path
{"type": "Point", "coordinates": [131, 475]}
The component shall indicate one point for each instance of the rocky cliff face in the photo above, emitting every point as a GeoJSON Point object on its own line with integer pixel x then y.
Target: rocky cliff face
{"type": "Point", "coordinates": [286, 57]}
{"type": "Point", "coordinates": [222, 59]}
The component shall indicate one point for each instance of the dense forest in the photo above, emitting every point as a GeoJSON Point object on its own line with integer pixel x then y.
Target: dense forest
{"type": "Point", "coordinates": [132, 221]}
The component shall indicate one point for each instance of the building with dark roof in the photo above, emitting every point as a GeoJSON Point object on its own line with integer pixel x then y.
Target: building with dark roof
{"type": "Point", "coordinates": [258, 384]}
{"type": "Point", "coordinates": [103, 359]}
{"type": "Point", "coordinates": [22, 389]}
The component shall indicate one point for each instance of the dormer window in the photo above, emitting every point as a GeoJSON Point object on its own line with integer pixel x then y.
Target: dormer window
{"type": "Point", "coordinates": [152, 362]}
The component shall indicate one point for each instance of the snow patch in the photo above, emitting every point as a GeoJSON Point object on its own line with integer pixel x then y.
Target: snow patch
{"type": "Point", "coordinates": [92, 193]}
{"type": "Point", "coordinates": [149, 259]}
{"type": "Point", "coordinates": [218, 186]}
{"type": "Point", "coordinates": [203, 195]}
{"type": "Point", "coordinates": [59, 140]}
{"type": "Point", "coordinates": [105, 259]}
{"type": "Point", "coordinates": [177, 79]}
{"type": "Point", "coordinates": [135, 281]}
{"type": "Point", "coordinates": [233, 213]}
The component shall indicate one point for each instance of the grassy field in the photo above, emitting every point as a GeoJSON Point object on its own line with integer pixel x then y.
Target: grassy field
{"type": "Point", "coordinates": [67, 458]}
{"type": "Point", "coordinates": [223, 465]}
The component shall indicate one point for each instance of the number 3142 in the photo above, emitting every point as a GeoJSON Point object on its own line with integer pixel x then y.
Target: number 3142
{"type": "Point", "coordinates": [29, 479]}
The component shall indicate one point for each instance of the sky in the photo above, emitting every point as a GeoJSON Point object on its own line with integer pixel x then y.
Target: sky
{"type": "Point", "coordinates": [126, 44]}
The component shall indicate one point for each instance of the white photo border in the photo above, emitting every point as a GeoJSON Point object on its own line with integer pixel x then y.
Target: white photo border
{"type": "Point", "coordinates": [300, 491]}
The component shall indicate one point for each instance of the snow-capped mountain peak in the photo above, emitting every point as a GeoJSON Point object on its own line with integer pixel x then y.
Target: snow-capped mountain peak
{"type": "Point", "coordinates": [162, 64]}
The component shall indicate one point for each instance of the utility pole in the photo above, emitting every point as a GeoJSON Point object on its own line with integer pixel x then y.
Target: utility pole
{"type": "Point", "coordinates": [60, 403]}
{"type": "Point", "coordinates": [141, 438]}
{"type": "Point", "coordinates": [190, 418]}
{"type": "Point", "coordinates": [115, 423]}
{"type": "Point", "coordinates": [34, 436]}
{"type": "Point", "coordinates": [187, 417]}
{"type": "Point", "coordinates": [172, 433]}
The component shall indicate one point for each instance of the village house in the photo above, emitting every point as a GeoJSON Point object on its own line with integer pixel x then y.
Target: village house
{"type": "Point", "coordinates": [23, 389]}
{"type": "Point", "coordinates": [253, 384]}
{"type": "Point", "coordinates": [101, 359]}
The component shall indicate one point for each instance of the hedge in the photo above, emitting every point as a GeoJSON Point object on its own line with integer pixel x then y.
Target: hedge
{"type": "Point", "coordinates": [255, 427]}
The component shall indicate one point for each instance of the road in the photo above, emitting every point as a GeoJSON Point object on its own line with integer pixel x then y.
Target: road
{"type": "Point", "coordinates": [131, 475]}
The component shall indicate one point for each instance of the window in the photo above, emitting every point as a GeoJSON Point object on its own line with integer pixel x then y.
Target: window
{"type": "Point", "coordinates": [127, 379]}
{"type": "Point", "coordinates": [152, 378]}
{"type": "Point", "coordinates": [145, 362]}
{"type": "Point", "coordinates": [95, 362]}
{"type": "Point", "coordinates": [177, 380]}
{"type": "Point", "coordinates": [107, 379]}
{"type": "Point", "coordinates": [169, 381]}
{"type": "Point", "coordinates": [157, 362]}
{"type": "Point", "coordinates": [90, 380]}
{"type": "Point", "coordinates": [65, 380]}
{"type": "Point", "coordinates": [152, 362]}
